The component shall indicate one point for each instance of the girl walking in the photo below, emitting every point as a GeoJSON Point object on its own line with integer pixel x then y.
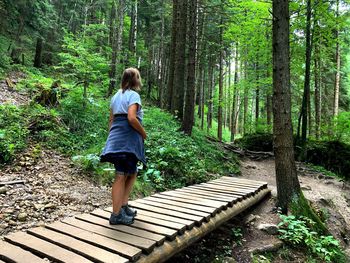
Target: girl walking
{"type": "Point", "coordinates": [125, 144]}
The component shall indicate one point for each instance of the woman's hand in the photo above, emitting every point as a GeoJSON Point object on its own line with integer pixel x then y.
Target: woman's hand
{"type": "Point", "coordinates": [134, 122]}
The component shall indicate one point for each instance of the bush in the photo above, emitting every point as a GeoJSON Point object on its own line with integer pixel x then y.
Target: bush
{"type": "Point", "coordinates": [257, 142]}
{"type": "Point", "coordinates": [333, 155]}
{"type": "Point", "coordinates": [175, 159]}
{"type": "Point", "coordinates": [13, 132]}
{"type": "Point", "coordinates": [297, 232]}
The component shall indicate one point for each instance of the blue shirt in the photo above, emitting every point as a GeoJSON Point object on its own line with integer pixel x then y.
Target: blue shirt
{"type": "Point", "coordinates": [121, 101]}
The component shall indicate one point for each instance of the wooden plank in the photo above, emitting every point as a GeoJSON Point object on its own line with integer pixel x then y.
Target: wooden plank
{"type": "Point", "coordinates": [230, 188]}
{"type": "Point", "coordinates": [44, 248]}
{"type": "Point", "coordinates": [146, 245]}
{"type": "Point", "coordinates": [159, 230]}
{"type": "Point", "coordinates": [199, 196]}
{"type": "Point", "coordinates": [217, 208]}
{"type": "Point", "coordinates": [10, 252]}
{"type": "Point", "coordinates": [188, 223]}
{"type": "Point", "coordinates": [234, 184]}
{"type": "Point", "coordinates": [100, 217]}
{"type": "Point", "coordinates": [93, 253]}
{"type": "Point", "coordinates": [237, 184]}
{"type": "Point", "coordinates": [176, 208]}
{"type": "Point", "coordinates": [177, 226]}
{"type": "Point", "coordinates": [210, 210]}
{"type": "Point", "coordinates": [248, 181]}
{"type": "Point", "coordinates": [211, 189]}
{"type": "Point", "coordinates": [203, 199]}
{"type": "Point", "coordinates": [175, 214]}
{"type": "Point", "coordinates": [221, 197]}
{"type": "Point", "coordinates": [125, 250]}
{"type": "Point", "coordinates": [194, 188]}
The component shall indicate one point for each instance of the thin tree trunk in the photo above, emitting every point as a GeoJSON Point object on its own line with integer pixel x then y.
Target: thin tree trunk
{"type": "Point", "coordinates": [306, 96]}
{"type": "Point", "coordinates": [180, 65]}
{"type": "Point", "coordinates": [220, 84]}
{"type": "Point", "coordinates": [117, 42]}
{"type": "Point", "coordinates": [38, 52]}
{"type": "Point", "coordinates": [337, 74]}
{"type": "Point", "coordinates": [234, 102]}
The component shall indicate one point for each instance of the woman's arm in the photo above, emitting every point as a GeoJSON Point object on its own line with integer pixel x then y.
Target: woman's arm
{"type": "Point", "coordinates": [110, 119]}
{"type": "Point", "coordinates": [134, 122]}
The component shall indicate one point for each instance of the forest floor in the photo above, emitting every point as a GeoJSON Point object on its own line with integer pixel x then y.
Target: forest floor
{"type": "Point", "coordinates": [239, 238]}
{"type": "Point", "coordinates": [54, 188]}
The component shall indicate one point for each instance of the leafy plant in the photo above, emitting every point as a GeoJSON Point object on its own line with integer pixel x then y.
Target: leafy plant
{"type": "Point", "coordinates": [297, 232]}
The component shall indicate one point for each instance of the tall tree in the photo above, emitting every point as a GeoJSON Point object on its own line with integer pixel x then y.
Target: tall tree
{"type": "Point", "coordinates": [221, 80]}
{"type": "Point", "coordinates": [188, 118]}
{"type": "Point", "coordinates": [337, 59]}
{"type": "Point", "coordinates": [116, 45]}
{"type": "Point", "coordinates": [286, 174]}
{"type": "Point", "coordinates": [180, 61]}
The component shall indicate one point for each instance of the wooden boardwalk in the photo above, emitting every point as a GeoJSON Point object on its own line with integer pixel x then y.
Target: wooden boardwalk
{"type": "Point", "coordinates": [165, 224]}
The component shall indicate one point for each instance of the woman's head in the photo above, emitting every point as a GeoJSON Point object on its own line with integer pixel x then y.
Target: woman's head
{"type": "Point", "coordinates": [131, 79]}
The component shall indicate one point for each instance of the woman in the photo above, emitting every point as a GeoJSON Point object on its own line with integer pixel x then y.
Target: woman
{"type": "Point", "coordinates": [125, 144]}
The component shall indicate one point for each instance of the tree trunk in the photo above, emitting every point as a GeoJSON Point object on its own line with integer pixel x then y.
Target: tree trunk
{"type": "Point", "coordinates": [133, 29]}
{"type": "Point", "coordinates": [317, 74]}
{"type": "Point", "coordinates": [220, 85]}
{"type": "Point", "coordinates": [180, 59]}
{"type": "Point", "coordinates": [170, 87]}
{"type": "Point", "coordinates": [306, 96]}
{"type": "Point", "coordinates": [337, 74]}
{"type": "Point", "coordinates": [38, 52]}
{"type": "Point", "coordinates": [188, 118]}
{"type": "Point", "coordinates": [117, 44]}
{"type": "Point", "coordinates": [286, 174]}
{"type": "Point", "coordinates": [245, 97]}
{"type": "Point", "coordinates": [210, 94]}
{"type": "Point", "coordinates": [234, 102]}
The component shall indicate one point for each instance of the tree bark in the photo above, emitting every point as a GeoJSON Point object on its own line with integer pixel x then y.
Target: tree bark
{"type": "Point", "coordinates": [286, 174]}
{"type": "Point", "coordinates": [170, 87]}
{"type": "Point", "coordinates": [117, 44]}
{"type": "Point", "coordinates": [180, 59]}
{"type": "Point", "coordinates": [38, 52]}
{"type": "Point", "coordinates": [337, 74]}
{"type": "Point", "coordinates": [234, 99]}
{"type": "Point", "coordinates": [188, 118]}
{"type": "Point", "coordinates": [220, 84]}
{"type": "Point", "coordinates": [306, 96]}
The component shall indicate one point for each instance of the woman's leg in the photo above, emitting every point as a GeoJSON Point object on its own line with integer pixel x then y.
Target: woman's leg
{"type": "Point", "coordinates": [129, 182]}
{"type": "Point", "coordinates": [118, 189]}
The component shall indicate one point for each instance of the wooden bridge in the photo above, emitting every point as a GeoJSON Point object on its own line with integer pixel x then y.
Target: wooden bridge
{"type": "Point", "coordinates": [165, 224]}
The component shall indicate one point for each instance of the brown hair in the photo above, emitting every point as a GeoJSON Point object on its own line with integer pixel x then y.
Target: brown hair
{"type": "Point", "coordinates": [131, 79]}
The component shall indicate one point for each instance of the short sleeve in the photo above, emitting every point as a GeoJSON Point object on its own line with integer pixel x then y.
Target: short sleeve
{"type": "Point", "coordinates": [134, 98]}
{"type": "Point", "coordinates": [112, 101]}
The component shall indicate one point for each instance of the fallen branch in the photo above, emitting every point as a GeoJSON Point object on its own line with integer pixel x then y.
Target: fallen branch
{"type": "Point", "coordinates": [12, 182]}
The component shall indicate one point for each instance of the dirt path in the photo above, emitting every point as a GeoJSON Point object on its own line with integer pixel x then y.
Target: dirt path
{"type": "Point", "coordinates": [53, 189]}
{"type": "Point", "coordinates": [328, 194]}
{"type": "Point", "coordinates": [316, 186]}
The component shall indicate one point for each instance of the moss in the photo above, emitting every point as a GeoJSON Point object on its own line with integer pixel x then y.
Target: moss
{"type": "Point", "coordinates": [300, 206]}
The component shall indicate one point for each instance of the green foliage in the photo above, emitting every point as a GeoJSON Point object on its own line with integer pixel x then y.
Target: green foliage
{"type": "Point", "coordinates": [297, 232]}
{"type": "Point", "coordinates": [80, 58]}
{"type": "Point", "coordinates": [181, 160]}
{"type": "Point", "coordinates": [13, 132]}
{"type": "Point", "coordinates": [257, 142]}
{"type": "Point", "coordinates": [236, 234]}
{"type": "Point", "coordinates": [332, 155]}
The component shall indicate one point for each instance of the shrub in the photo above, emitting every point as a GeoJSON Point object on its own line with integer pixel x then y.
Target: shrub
{"type": "Point", "coordinates": [13, 132]}
{"type": "Point", "coordinates": [297, 232]}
